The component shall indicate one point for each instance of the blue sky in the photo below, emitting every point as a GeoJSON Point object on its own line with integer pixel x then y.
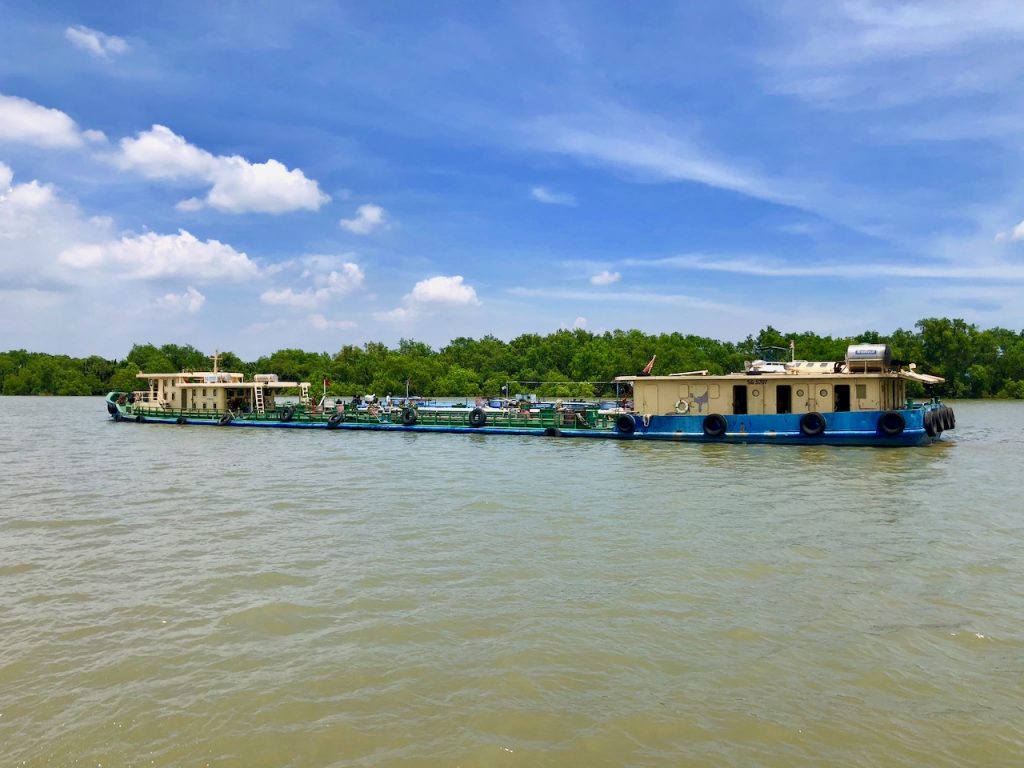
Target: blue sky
{"type": "Point", "coordinates": [257, 176]}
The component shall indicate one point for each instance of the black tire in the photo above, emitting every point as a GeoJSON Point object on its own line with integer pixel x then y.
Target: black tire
{"type": "Point", "coordinates": [409, 417]}
{"type": "Point", "coordinates": [891, 423]}
{"type": "Point", "coordinates": [181, 420]}
{"type": "Point", "coordinates": [139, 419]}
{"type": "Point", "coordinates": [947, 418]}
{"type": "Point", "coordinates": [552, 432]}
{"type": "Point", "coordinates": [287, 414]}
{"type": "Point", "coordinates": [477, 417]}
{"type": "Point", "coordinates": [336, 419]}
{"type": "Point", "coordinates": [812, 424]}
{"type": "Point", "coordinates": [625, 423]}
{"type": "Point", "coordinates": [224, 420]}
{"type": "Point", "coordinates": [952, 419]}
{"type": "Point", "coordinates": [715, 425]}
{"type": "Point", "coordinates": [929, 424]}
{"type": "Point", "coordinates": [111, 408]}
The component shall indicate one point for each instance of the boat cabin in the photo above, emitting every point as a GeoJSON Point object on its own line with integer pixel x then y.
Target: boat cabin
{"type": "Point", "coordinates": [215, 391]}
{"type": "Point", "coordinates": [865, 381]}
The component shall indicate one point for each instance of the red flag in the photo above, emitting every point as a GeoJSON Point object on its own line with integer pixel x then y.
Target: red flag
{"type": "Point", "coordinates": [649, 367]}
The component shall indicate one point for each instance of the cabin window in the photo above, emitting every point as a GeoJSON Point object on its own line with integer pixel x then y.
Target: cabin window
{"type": "Point", "coordinates": [739, 398]}
{"type": "Point", "coordinates": [784, 399]}
{"type": "Point", "coordinates": [862, 391]}
{"type": "Point", "coordinates": [842, 397]}
{"type": "Point", "coordinates": [823, 392]}
{"type": "Point", "coordinates": [799, 393]}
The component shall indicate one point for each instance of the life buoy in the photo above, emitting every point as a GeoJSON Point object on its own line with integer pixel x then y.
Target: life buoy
{"type": "Point", "coordinates": [477, 417]}
{"type": "Point", "coordinates": [226, 419]}
{"type": "Point", "coordinates": [682, 406]}
{"type": "Point", "coordinates": [929, 424]}
{"type": "Point", "coordinates": [336, 419]}
{"type": "Point", "coordinates": [715, 425]}
{"type": "Point", "coordinates": [287, 413]}
{"type": "Point", "coordinates": [552, 432]}
{"type": "Point", "coordinates": [812, 424]}
{"type": "Point", "coordinates": [409, 417]}
{"type": "Point", "coordinates": [625, 423]}
{"type": "Point", "coordinates": [891, 423]}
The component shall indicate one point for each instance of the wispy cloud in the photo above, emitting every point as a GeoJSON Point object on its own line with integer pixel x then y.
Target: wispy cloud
{"type": "Point", "coordinates": [544, 195]}
{"type": "Point", "coordinates": [634, 144]}
{"type": "Point", "coordinates": [852, 269]}
{"type": "Point", "coordinates": [96, 43]}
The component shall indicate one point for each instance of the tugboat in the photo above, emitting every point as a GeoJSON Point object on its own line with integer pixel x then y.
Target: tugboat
{"type": "Point", "coordinates": [861, 400]}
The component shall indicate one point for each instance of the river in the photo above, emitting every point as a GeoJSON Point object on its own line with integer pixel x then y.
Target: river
{"type": "Point", "coordinates": [186, 596]}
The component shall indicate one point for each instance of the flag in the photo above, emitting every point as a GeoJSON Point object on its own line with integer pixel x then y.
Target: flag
{"type": "Point", "coordinates": [649, 367]}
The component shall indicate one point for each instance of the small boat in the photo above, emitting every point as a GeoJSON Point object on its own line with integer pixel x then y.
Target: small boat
{"type": "Point", "coordinates": [861, 400]}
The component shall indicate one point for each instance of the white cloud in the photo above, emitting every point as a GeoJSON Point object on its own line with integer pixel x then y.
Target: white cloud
{"type": "Point", "coordinates": [287, 297]}
{"type": "Point", "coordinates": [96, 43]}
{"type": "Point", "coordinates": [151, 256]}
{"type": "Point", "coordinates": [190, 301]}
{"type": "Point", "coordinates": [321, 323]}
{"type": "Point", "coordinates": [430, 294]}
{"type": "Point", "coordinates": [443, 290]}
{"type": "Point", "coordinates": [543, 195]}
{"type": "Point", "coordinates": [398, 315]}
{"type": "Point", "coordinates": [26, 122]}
{"type": "Point", "coordinates": [605, 278]}
{"type": "Point", "coordinates": [348, 278]}
{"type": "Point", "coordinates": [368, 218]}
{"type": "Point", "coordinates": [636, 144]}
{"type": "Point", "coordinates": [579, 322]}
{"type": "Point", "coordinates": [238, 186]}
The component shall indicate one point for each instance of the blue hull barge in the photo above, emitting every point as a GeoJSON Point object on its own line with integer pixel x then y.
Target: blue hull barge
{"type": "Point", "coordinates": [859, 401]}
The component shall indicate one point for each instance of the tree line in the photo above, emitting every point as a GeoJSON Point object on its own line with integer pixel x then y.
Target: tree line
{"type": "Point", "coordinates": [976, 363]}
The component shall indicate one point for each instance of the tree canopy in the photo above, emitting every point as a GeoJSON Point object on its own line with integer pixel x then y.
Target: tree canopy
{"type": "Point", "coordinates": [576, 363]}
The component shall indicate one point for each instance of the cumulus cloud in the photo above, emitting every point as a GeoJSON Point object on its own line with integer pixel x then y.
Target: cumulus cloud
{"type": "Point", "coordinates": [368, 218]}
{"type": "Point", "coordinates": [26, 122]}
{"type": "Point", "coordinates": [190, 301]}
{"type": "Point", "coordinates": [152, 256]}
{"type": "Point", "coordinates": [96, 43]}
{"type": "Point", "coordinates": [337, 282]}
{"type": "Point", "coordinates": [605, 278]}
{"type": "Point", "coordinates": [543, 195]}
{"type": "Point", "coordinates": [238, 186]}
{"type": "Point", "coordinates": [443, 290]}
{"type": "Point", "coordinates": [579, 322]}
{"type": "Point", "coordinates": [430, 294]}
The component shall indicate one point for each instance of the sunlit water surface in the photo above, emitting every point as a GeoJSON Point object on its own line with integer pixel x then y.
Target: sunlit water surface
{"type": "Point", "coordinates": [183, 596]}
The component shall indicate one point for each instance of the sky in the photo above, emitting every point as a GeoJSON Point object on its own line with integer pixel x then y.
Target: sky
{"type": "Point", "coordinates": [259, 176]}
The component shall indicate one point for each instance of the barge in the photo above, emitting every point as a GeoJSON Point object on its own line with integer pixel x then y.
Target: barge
{"type": "Point", "coordinates": [861, 400]}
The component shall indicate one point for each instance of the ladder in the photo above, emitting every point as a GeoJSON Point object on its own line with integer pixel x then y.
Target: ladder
{"type": "Point", "coordinates": [257, 393]}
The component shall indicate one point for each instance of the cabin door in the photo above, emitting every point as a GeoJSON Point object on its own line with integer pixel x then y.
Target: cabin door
{"type": "Point", "coordinates": [739, 398]}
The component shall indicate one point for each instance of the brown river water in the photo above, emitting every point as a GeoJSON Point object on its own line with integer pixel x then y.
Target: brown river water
{"type": "Point", "coordinates": [191, 596]}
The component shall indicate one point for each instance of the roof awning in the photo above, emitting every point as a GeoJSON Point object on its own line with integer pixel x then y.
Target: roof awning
{"type": "Point", "coordinates": [924, 378]}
